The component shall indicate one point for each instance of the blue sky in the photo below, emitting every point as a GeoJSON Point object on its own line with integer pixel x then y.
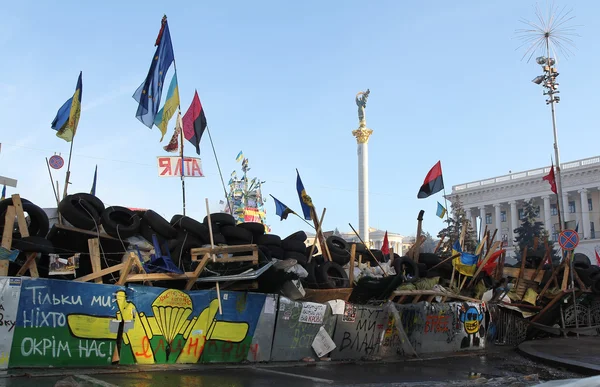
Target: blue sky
{"type": "Point", "coordinates": [277, 79]}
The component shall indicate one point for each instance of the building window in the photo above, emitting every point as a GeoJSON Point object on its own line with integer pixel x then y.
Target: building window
{"type": "Point", "coordinates": [503, 216]}
{"type": "Point", "coordinates": [488, 218]}
{"type": "Point", "coordinates": [592, 231]}
{"type": "Point", "coordinates": [555, 232]}
{"type": "Point", "coordinates": [572, 207]}
{"type": "Point", "coordinates": [590, 206]}
{"type": "Point", "coordinates": [521, 214]}
{"type": "Point", "coordinates": [553, 210]}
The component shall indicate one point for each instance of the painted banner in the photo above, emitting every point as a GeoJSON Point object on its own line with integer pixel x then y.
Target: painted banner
{"type": "Point", "coordinates": [65, 323]}
{"type": "Point", "coordinates": [170, 166]}
{"type": "Point", "coordinates": [10, 288]}
{"type": "Point", "coordinates": [173, 326]}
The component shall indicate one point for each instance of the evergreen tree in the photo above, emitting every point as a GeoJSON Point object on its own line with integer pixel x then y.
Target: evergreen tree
{"type": "Point", "coordinates": [526, 233]}
{"type": "Point", "coordinates": [429, 245]}
{"type": "Point", "coordinates": [455, 221]}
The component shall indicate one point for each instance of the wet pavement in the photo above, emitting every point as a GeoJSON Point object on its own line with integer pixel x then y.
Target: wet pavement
{"type": "Point", "coordinates": [581, 354]}
{"type": "Point", "coordinates": [499, 368]}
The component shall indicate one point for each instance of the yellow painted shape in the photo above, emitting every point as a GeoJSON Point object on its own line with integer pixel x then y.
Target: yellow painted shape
{"type": "Point", "coordinates": [136, 336]}
{"type": "Point", "coordinates": [84, 326]}
{"type": "Point", "coordinates": [234, 332]}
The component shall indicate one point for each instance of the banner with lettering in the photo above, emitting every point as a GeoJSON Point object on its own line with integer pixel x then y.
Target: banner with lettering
{"type": "Point", "coordinates": [175, 326]}
{"type": "Point", "coordinates": [66, 323]}
{"type": "Point", "coordinates": [10, 288]}
{"type": "Point", "coordinates": [170, 166]}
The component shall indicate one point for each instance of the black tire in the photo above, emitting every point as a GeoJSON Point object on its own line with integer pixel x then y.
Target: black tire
{"type": "Point", "coordinates": [422, 269]}
{"type": "Point", "coordinates": [220, 218]}
{"type": "Point", "coordinates": [39, 224]}
{"type": "Point", "coordinates": [293, 245]}
{"type": "Point", "coordinates": [596, 287]}
{"type": "Point", "coordinates": [257, 229]}
{"type": "Point", "coordinates": [218, 239]}
{"type": "Point", "coordinates": [236, 242]}
{"type": "Point", "coordinates": [586, 275]}
{"type": "Point", "coordinates": [330, 275]}
{"type": "Point", "coordinates": [33, 244]}
{"type": "Point", "coordinates": [79, 212]}
{"type": "Point", "coordinates": [266, 252]}
{"type": "Point", "coordinates": [406, 264]}
{"type": "Point", "coordinates": [339, 250]}
{"type": "Point", "coordinates": [581, 265]}
{"type": "Point", "coordinates": [160, 225]}
{"type": "Point", "coordinates": [93, 201]}
{"type": "Point", "coordinates": [181, 253]}
{"type": "Point", "coordinates": [236, 233]}
{"type": "Point", "coordinates": [314, 252]}
{"type": "Point", "coordinates": [581, 258]}
{"type": "Point", "coordinates": [146, 232]}
{"type": "Point", "coordinates": [429, 259]}
{"type": "Point", "coordinates": [297, 236]}
{"type": "Point", "coordinates": [120, 222]}
{"type": "Point", "coordinates": [319, 259]}
{"type": "Point", "coordinates": [276, 251]}
{"type": "Point", "coordinates": [595, 273]}
{"type": "Point", "coordinates": [192, 226]}
{"type": "Point", "coordinates": [269, 240]}
{"type": "Point", "coordinates": [175, 221]}
{"type": "Point", "coordinates": [378, 255]}
{"type": "Point", "coordinates": [299, 257]}
{"type": "Point", "coordinates": [310, 282]}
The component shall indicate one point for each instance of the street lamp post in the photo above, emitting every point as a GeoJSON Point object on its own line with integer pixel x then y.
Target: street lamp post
{"type": "Point", "coordinates": [548, 82]}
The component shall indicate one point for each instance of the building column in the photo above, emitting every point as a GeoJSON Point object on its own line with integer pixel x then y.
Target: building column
{"type": "Point", "coordinates": [514, 220]}
{"type": "Point", "coordinates": [547, 215]}
{"type": "Point", "coordinates": [482, 216]}
{"type": "Point", "coordinates": [498, 220]}
{"type": "Point", "coordinates": [565, 211]}
{"type": "Point", "coordinates": [585, 213]}
{"type": "Point", "coordinates": [469, 218]}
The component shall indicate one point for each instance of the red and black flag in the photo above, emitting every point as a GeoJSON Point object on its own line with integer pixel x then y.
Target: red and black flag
{"type": "Point", "coordinates": [194, 122]}
{"type": "Point", "coordinates": [551, 179]}
{"type": "Point", "coordinates": [434, 182]}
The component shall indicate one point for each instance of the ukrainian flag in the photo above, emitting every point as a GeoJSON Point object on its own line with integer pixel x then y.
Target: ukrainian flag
{"type": "Point", "coordinates": [166, 112]}
{"type": "Point", "coordinates": [67, 117]}
{"type": "Point", "coordinates": [466, 264]}
{"type": "Point", "coordinates": [239, 157]}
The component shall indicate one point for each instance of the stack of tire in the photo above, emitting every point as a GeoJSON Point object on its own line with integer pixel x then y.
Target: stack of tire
{"type": "Point", "coordinates": [36, 242]}
{"type": "Point", "coordinates": [324, 274]}
{"type": "Point", "coordinates": [588, 273]}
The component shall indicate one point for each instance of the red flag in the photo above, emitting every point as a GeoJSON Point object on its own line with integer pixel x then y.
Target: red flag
{"type": "Point", "coordinates": [385, 247]}
{"type": "Point", "coordinates": [597, 257]}
{"type": "Point", "coordinates": [434, 182]}
{"type": "Point", "coordinates": [550, 178]}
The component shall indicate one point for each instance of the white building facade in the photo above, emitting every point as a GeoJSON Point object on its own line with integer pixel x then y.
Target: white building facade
{"type": "Point", "coordinates": [498, 202]}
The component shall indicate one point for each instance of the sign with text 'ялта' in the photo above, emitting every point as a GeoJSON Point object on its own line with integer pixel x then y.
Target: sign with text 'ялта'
{"type": "Point", "coordinates": [170, 166]}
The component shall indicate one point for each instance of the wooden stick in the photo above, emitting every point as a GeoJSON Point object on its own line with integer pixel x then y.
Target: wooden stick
{"type": "Point", "coordinates": [482, 265]}
{"type": "Point", "coordinates": [446, 260]}
{"type": "Point", "coordinates": [370, 252]}
{"type": "Point", "coordinates": [522, 272]}
{"type": "Point", "coordinates": [9, 222]}
{"type": "Point", "coordinates": [214, 257]}
{"type": "Point", "coordinates": [491, 240]}
{"type": "Point", "coordinates": [539, 268]}
{"type": "Point", "coordinates": [94, 248]}
{"type": "Point", "coordinates": [352, 258]}
{"type": "Point", "coordinates": [24, 231]}
{"type": "Point", "coordinates": [439, 244]}
{"type": "Point", "coordinates": [320, 237]}
{"type": "Point", "coordinates": [417, 249]}
{"type": "Point", "coordinates": [554, 275]}
{"type": "Point", "coordinates": [557, 298]}
{"type": "Point", "coordinates": [320, 223]}
{"type": "Point", "coordinates": [126, 269]}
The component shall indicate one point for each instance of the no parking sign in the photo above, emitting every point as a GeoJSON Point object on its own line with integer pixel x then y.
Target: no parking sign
{"type": "Point", "coordinates": [568, 240]}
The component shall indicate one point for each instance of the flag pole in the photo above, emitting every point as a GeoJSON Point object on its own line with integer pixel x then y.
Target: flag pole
{"type": "Point", "coordinates": [219, 169]}
{"type": "Point", "coordinates": [68, 176]}
{"type": "Point", "coordinates": [181, 134]}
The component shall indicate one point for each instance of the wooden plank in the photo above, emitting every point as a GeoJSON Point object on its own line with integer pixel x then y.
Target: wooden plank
{"type": "Point", "coordinates": [433, 293]}
{"type": "Point", "coordinates": [94, 247]}
{"type": "Point", "coordinates": [197, 272]}
{"type": "Point", "coordinates": [351, 270]}
{"type": "Point", "coordinates": [23, 230]}
{"type": "Point", "coordinates": [565, 280]}
{"type": "Point", "coordinates": [100, 273]}
{"type": "Point", "coordinates": [417, 298]}
{"type": "Point", "coordinates": [245, 258]}
{"type": "Point", "coordinates": [514, 272]}
{"type": "Point", "coordinates": [158, 277]}
{"type": "Point", "coordinates": [557, 298]}
{"type": "Point", "coordinates": [126, 268]}
{"type": "Point", "coordinates": [223, 249]}
{"type": "Point", "coordinates": [523, 261]}
{"type": "Point", "coordinates": [482, 265]}
{"type": "Point", "coordinates": [26, 266]}
{"type": "Point", "coordinates": [553, 277]}
{"type": "Point", "coordinates": [9, 221]}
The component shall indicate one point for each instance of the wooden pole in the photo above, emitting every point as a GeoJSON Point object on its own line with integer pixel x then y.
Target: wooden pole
{"type": "Point", "coordinates": [375, 259]}
{"type": "Point", "coordinates": [55, 190]}
{"type": "Point", "coordinates": [214, 257]}
{"type": "Point", "coordinates": [320, 222]}
{"type": "Point", "coordinates": [352, 259]}
{"type": "Point", "coordinates": [439, 244]}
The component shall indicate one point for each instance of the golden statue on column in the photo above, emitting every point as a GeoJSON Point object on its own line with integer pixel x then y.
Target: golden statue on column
{"type": "Point", "coordinates": [362, 133]}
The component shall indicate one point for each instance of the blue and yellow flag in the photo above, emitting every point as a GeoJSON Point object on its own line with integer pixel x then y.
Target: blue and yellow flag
{"type": "Point", "coordinates": [4, 193]}
{"type": "Point", "coordinates": [149, 93]}
{"type": "Point", "coordinates": [441, 211]}
{"type": "Point", "coordinates": [281, 209]}
{"type": "Point", "coordinates": [466, 264]}
{"type": "Point", "coordinates": [239, 157]}
{"type": "Point", "coordinates": [67, 117]}
{"type": "Point", "coordinates": [305, 200]}
{"type": "Point", "coordinates": [166, 112]}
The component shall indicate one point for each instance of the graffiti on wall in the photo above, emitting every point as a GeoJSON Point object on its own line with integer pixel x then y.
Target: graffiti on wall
{"type": "Point", "coordinates": [58, 324]}
{"type": "Point", "coordinates": [471, 317]}
{"type": "Point", "coordinates": [172, 326]}
{"type": "Point", "coordinates": [364, 335]}
{"type": "Point", "coordinates": [10, 288]}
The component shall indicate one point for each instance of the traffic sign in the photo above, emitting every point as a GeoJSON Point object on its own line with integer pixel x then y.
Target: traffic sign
{"type": "Point", "coordinates": [56, 162]}
{"type": "Point", "coordinates": [568, 239]}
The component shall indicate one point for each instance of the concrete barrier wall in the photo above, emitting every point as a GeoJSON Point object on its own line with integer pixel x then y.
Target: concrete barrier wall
{"type": "Point", "coordinates": [297, 325]}
{"type": "Point", "coordinates": [58, 323]}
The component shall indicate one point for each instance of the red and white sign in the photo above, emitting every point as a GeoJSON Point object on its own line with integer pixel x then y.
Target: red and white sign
{"type": "Point", "coordinates": [170, 166]}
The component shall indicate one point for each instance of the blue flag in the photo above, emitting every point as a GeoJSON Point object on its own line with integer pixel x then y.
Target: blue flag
{"type": "Point", "coordinates": [281, 209]}
{"type": "Point", "coordinates": [305, 200]}
{"type": "Point", "coordinates": [149, 93]}
{"type": "Point", "coordinates": [67, 118]}
{"type": "Point", "coordinates": [441, 211]}
{"type": "Point", "coordinates": [4, 193]}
